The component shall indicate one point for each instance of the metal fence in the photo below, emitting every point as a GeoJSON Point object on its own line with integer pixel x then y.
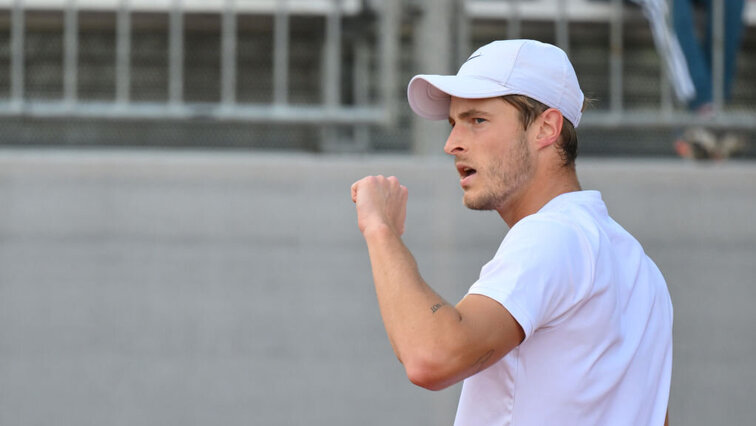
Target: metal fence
{"type": "Point", "coordinates": [373, 71]}
{"type": "Point", "coordinates": [330, 111]}
{"type": "Point", "coordinates": [615, 13]}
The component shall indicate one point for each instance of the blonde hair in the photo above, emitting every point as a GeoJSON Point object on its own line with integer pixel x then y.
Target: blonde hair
{"type": "Point", "coordinates": [530, 109]}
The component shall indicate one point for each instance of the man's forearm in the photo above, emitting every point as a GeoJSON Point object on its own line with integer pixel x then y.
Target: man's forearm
{"type": "Point", "coordinates": [429, 337]}
{"type": "Point", "coordinates": [416, 318]}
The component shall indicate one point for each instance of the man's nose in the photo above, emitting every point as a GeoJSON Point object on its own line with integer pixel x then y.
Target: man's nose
{"type": "Point", "coordinates": [454, 144]}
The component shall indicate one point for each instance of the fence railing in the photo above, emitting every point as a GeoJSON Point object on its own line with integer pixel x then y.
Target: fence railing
{"type": "Point", "coordinates": [330, 111]}
{"type": "Point", "coordinates": [614, 13]}
{"type": "Point", "coordinates": [373, 70]}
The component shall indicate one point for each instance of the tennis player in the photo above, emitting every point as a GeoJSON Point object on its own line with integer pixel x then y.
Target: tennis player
{"type": "Point", "coordinates": [570, 323]}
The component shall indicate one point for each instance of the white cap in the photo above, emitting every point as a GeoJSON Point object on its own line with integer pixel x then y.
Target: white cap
{"type": "Point", "coordinates": [507, 67]}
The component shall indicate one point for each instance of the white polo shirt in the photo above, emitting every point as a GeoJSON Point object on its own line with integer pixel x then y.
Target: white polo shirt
{"type": "Point", "coordinates": [597, 318]}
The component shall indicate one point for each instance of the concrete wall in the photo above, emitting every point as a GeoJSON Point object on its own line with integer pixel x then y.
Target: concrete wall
{"type": "Point", "coordinates": [164, 288]}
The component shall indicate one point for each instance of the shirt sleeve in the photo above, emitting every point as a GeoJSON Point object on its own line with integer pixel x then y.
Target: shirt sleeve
{"type": "Point", "coordinates": [542, 270]}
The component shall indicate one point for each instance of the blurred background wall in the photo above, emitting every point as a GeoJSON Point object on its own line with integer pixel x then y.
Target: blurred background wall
{"type": "Point", "coordinates": [234, 288]}
{"type": "Point", "coordinates": [177, 242]}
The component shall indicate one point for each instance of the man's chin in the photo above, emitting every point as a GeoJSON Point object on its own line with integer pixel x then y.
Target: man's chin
{"type": "Point", "coordinates": [473, 203]}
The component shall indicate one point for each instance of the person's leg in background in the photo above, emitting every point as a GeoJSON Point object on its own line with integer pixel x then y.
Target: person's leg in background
{"type": "Point", "coordinates": [730, 143]}
{"type": "Point", "coordinates": [699, 142]}
{"type": "Point", "coordinates": [695, 53]}
{"type": "Point", "coordinates": [733, 35]}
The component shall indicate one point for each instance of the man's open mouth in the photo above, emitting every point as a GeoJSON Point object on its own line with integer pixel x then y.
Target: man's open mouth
{"type": "Point", "coordinates": [465, 171]}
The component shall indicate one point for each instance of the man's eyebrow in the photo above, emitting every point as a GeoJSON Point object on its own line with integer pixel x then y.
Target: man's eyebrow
{"type": "Point", "coordinates": [471, 112]}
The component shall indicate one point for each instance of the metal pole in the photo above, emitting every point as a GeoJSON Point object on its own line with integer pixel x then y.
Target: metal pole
{"type": "Point", "coordinates": [664, 84]}
{"type": "Point", "coordinates": [17, 53]}
{"type": "Point", "coordinates": [615, 58]}
{"type": "Point", "coordinates": [717, 54]}
{"type": "Point", "coordinates": [389, 51]}
{"type": "Point", "coordinates": [281, 54]}
{"type": "Point", "coordinates": [332, 56]}
{"type": "Point", "coordinates": [71, 53]}
{"type": "Point", "coordinates": [228, 52]}
{"type": "Point", "coordinates": [513, 27]}
{"type": "Point", "coordinates": [361, 89]}
{"type": "Point", "coordinates": [463, 32]}
{"type": "Point", "coordinates": [331, 68]}
{"type": "Point", "coordinates": [123, 52]}
{"type": "Point", "coordinates": [176, 54]}
{"type": "Point", "coordinates": [562, 27]}
{"type": "Point", "coordinates": [433, 56]}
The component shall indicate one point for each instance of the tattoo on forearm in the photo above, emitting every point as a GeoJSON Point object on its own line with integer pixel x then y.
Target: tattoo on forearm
{"type": "Point", "coordinates": [480, 362]}
{"type": "Point", "coordinates": [436, 307]}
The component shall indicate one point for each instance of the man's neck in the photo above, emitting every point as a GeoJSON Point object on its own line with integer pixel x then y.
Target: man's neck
{"type": "Point", "coordinates": [542, 189]}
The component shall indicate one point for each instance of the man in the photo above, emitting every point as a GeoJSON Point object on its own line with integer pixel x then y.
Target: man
{"type": "Point", "coordinates": [570, 323]}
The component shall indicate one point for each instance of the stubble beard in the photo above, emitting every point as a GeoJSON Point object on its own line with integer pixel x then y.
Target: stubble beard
{"type": "Point", "coordinates": [504, 177]}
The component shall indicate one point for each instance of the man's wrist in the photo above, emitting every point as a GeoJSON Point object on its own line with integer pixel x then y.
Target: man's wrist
{"type": "Point", "coordinates": [380, 230]}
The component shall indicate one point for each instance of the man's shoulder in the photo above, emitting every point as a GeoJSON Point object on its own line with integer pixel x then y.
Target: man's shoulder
{"type": "Point", "coordinates": [550, 232]}
{"type": "Point", "coordinates": [571, 210]}
{"type": "Point", "coordinates": [555, 224]}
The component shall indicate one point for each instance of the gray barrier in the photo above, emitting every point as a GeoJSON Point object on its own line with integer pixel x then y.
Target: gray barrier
{"type": "Point", "coordinates": [158, 288]}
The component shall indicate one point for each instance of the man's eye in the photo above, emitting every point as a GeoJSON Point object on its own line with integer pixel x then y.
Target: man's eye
{"type": "Point", "coordinates": [479, 120]}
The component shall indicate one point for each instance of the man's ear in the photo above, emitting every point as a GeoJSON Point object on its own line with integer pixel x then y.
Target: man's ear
{"type": "Point", "coordinates": [549, 127]}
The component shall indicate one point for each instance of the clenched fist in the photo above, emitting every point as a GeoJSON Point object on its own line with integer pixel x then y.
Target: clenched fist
{"type": "Point", "coordinates": [381, 201]}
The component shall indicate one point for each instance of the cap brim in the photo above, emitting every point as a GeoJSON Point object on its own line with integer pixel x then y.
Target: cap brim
{"type": "Point", "coordinates": [430, 95]}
